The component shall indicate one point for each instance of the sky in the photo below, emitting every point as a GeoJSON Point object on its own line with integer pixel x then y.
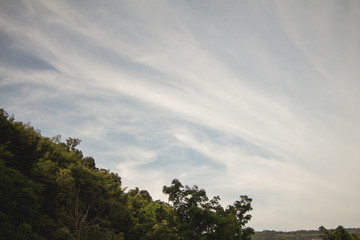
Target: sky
{"type": "Point", "coordinates": [257, 98]}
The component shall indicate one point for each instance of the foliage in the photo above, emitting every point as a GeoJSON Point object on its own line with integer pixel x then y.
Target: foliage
{"type": "Point", "coordinates": [203, 218]}
{"type": "Point", "coordinates": [340, 233]}
{"type": "Point", "coordinates": [298, 235]}
{"type": "Point", "coordinates": [49, 190]}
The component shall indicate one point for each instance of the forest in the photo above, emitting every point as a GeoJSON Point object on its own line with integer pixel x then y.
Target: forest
{"type": "Point", "coordinates": [50, 190]}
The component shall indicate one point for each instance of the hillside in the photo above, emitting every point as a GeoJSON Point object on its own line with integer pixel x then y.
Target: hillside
{"type": "Point", "coordinates": [295, 235]}
{"type": "Point", "coordinates": [49, 190]}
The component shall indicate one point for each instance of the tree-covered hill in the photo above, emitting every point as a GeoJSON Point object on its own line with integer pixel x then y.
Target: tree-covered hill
{"type": "Point", "coordinates": [49, 190]}
{"type": "Point", "coordinates": [339, 234]}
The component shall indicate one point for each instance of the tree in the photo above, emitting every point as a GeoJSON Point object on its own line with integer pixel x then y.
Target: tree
{"type": "Point", "coordinates": [202, 218]}
{"type": "Point", "coordinates": [20, 201]}
{"type": "Point", "coordinates": [80, 221]}
{"type": "Point", "coordinates": [339, 233]}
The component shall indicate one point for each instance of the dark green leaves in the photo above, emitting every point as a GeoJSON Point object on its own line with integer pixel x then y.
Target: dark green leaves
{"type": "Point", "coordinates": [48, 190]}
{"type": "Point", "coordinates": [201, 218]}
{"type": "Point", "coordinates": [339, 233]}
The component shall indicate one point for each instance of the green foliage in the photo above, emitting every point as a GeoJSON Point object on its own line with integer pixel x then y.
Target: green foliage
{"type": "Point", "coordinates": [299, 235]}
{"type": "Point", "coordinates": [202, 218]}
{"type": "Point", "coordinates": [20, 201]}
{"type": "Point", "coordinates": [340, 233]}
{"type": "Point", "coordinates": [49, 190]}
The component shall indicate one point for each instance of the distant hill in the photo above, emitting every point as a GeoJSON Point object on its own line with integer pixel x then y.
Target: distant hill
{"type": "Point", "coordinates": [294, 235]}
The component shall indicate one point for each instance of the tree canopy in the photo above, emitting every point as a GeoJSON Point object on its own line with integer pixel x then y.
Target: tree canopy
{"type": "Point", "coordinates": [340, 233]}
{"type": "Point", "coordinates": [204, 218]}
{"type": "Point", "coordinates": [49, 190]}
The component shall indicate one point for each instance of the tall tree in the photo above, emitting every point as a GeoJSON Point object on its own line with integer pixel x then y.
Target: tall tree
{"type": "Point", "coordinates": [204, 218]}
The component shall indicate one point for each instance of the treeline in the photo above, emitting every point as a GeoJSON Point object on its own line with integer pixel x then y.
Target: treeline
{"type": "Point", "coordinates": [49, 190]}
{"type": "Point", "coordinates": [340, 233]}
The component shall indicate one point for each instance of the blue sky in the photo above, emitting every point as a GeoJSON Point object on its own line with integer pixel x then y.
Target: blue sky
{"type": "Point", "coordinates": [238, 97]}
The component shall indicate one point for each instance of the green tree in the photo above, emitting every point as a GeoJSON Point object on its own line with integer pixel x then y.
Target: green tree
{"type": "Point", "coordinates": [204, 218]}
{"type": "Point", "coordinates": [340, 233]}
{"type": "Point", "coordinates": [20, 202]}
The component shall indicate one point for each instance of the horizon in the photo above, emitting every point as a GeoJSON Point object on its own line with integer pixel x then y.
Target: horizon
{"type": "Point", "coordinates": [257, 98]}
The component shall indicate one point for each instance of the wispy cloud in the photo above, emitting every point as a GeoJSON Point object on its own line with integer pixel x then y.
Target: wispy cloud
{"type": "Point", "coordinates": [237, 97]}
